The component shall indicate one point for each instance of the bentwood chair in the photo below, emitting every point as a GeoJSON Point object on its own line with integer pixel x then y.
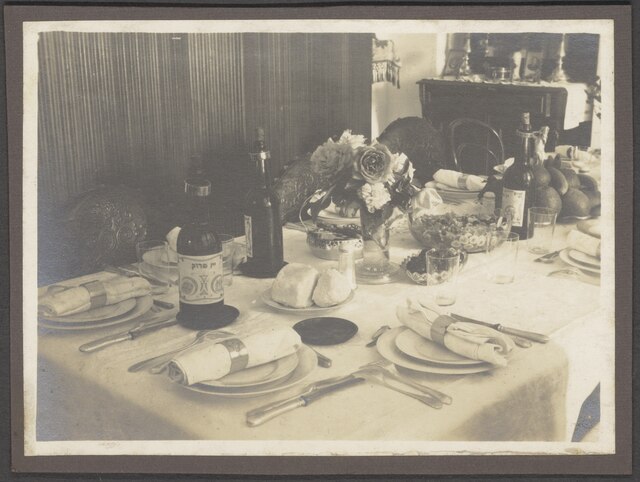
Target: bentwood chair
{"type": "Point", "coordinates": [422, 143]}
{"type": "Point", "coordinates": [475, 146]}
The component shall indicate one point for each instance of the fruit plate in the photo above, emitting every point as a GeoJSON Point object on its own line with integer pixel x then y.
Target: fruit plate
{"type": "Point", "coordinates": [268, 300]}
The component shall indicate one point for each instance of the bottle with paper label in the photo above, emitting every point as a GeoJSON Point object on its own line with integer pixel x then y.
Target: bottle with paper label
{"type": "Point", "coordinates": [199, 263]}
{"type": "Point", "coordinates": [518, 186]}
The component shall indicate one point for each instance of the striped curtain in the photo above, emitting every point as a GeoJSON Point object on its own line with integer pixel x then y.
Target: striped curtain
{"type": "Point", "coordinates": [135, 108]}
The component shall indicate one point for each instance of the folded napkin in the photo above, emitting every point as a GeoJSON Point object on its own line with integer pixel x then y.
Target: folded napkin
{"type": "Point", "coordinates": [572, 152]}
{"type": "Point", "coordinates": [583, 242]}
{"type": "Point", "coordinates": [59, 301]}
{"type": "Point", "coordinates": [459, 180]}
{"type": "Point", "coordinates": [472, 341]}
{"type": "Point", "coordinates": [172, 240]}
{"type": "Point", "coordinates": [215, 359]}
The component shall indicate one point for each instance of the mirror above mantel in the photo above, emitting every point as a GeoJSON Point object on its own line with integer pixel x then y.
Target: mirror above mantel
{"type": "Point", "coordinates": [488, 53]}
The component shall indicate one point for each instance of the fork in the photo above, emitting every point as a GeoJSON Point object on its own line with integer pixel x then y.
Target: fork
{"type": "Point", "coordinates": [378, 376]}
{"type": "Point", "coordinates": [385, 367]}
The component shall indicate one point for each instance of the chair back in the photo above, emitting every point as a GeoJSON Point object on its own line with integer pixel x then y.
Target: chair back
{"type": "Point", "coordinates": [474, 146]}
{"type": "Point", "coordinates": [422, 143]}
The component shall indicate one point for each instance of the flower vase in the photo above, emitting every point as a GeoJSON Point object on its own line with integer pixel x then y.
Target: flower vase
{"type": "Point", "coordinates": [375, 266]}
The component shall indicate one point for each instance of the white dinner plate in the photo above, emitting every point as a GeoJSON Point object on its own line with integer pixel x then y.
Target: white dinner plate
{"type": "Point", "coordinates": [142, 305]}
{"type": "Point", "coordinates": [584, 258]}
{"type": "Point", "coordinates": [307, 363]}
{"type": "Point", "coordinates": [564, 256]}
{"type": "Point", "coordinates": [416, 346]}
{"type": "Point", "coordinates": [268, 300]}
{"type": "Point", "coordinates": [97, 314]}
{"type": "Point", "coordinates": [258, 375]}
{"type": "Point", "coordinates": [387, 348]}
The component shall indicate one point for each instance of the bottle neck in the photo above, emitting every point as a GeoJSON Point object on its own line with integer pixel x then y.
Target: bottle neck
{"type": "Point", "coordinates": [199, 209]}
{"type": "Point", "coordinates": [527, 145]}
{"type": "Point", "coordinates": [261, 176]}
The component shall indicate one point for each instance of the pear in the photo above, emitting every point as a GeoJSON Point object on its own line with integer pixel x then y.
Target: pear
{"type": "Point", "coordinates": [558, 181]}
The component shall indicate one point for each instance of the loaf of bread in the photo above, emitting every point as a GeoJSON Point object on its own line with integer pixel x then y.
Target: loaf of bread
{"type": "Point", "coordinates": [294, 285]}
{"type": "Point", "coordinates": [332, 288]}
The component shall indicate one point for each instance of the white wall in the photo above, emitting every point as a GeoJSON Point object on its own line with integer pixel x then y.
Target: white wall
{"type": "Point", "coordinates": [422, 56]}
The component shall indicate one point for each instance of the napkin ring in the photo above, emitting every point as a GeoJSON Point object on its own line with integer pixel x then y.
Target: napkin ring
{"type": "Point", "coordinates": [462, 181]}
{"type": "Point", "coordinates": [97, 293]}
{"type": "Point", "coordinates": [439, 328]}
{"type": "Point", "coordinates": [237, 352]}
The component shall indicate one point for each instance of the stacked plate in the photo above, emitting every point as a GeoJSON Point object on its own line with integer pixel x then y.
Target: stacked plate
{"type": "Point", "coordinates": [101, 317]}
{"type": "Point", "coordinates": [580, 260]}
{"type": "Point", "coordinates": [453, 194]}
{"type": "Point", "coordinates": [407, 349]}
{"type": "Point", "coordinates": [262, 379]}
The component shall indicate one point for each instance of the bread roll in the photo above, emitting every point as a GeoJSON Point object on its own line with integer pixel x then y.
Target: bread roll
{"type": "Point", "coordinates": [294, 285]}
{"type": "Point", "coordinates": [332, 288]}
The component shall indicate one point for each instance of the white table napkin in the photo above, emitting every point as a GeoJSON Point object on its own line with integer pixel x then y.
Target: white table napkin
{"type": "Point", "coordinates": [472, 341]}
{"type": "Point", "coordinates": [583, 242]}
{"type": "Point", "coordinates": [213, 360]}
{"type": "Point", "coordinates": [58, 301]}
{"type": "Point", "coordinates": [458, 180]}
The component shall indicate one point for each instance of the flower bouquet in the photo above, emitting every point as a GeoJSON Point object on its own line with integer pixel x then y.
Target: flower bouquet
{"type": "Point", "coordinates": [369, 179]}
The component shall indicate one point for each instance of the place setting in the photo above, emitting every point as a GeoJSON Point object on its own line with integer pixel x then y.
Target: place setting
{"type": "Point", "coordinates": [247, 364]}
{"type": "Point", "coordinates": [582, 255]}
{"type": "Point", "coordinates": [454, 186]}
{"type": "Point", "coordinates": [93, 302]}
{"type": "Point", "coordinates": [433, 341]}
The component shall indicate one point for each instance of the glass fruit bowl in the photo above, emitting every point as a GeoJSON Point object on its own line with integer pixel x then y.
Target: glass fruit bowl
{"type": "Point", "coordinates": [465, 226]}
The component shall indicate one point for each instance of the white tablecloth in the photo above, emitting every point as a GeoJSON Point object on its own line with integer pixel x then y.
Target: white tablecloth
{"type": "Point", "coordinates": [536, 398]}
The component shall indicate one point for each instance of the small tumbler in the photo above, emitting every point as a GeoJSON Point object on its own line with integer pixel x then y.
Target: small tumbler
{"type": "Point", "coordinates": [347, 264]}
{"type": "Point", "coordinates": [542, 224]}
{"type": "Point", "coordinates": [443, 266]}
{"type": "Point", "coordinates": [502, 254]}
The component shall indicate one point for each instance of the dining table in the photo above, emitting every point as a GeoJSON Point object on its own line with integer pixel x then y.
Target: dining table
{"type": "Point", "coordinates": [536, 397]}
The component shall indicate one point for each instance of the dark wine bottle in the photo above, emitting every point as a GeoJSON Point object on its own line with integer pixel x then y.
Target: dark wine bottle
{"type": "Point", "coordinates": [518, 191]}
{"type": "Point", "coordinates": [262, 225]}
{"type": "Point", "coordinates": [200, 263]}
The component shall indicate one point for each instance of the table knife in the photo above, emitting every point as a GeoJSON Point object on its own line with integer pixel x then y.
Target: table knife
{"type": "Point", "coordinates": [529, 335]}
{"type": "Point", "coordinates": [549, 257]}
{"type": "Point", "coordinates": [131, 334]}
{"type": "Point", "coordinates": [263, 414]}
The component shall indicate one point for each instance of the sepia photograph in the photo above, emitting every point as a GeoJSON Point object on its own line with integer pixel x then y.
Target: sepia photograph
{"type": "Point", "coordinates": [318, 237]}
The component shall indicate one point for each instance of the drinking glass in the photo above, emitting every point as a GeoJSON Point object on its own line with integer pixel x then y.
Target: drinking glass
{"type": "Point", "coordinates": [228, 250]}
{"type": "Point", "coordinates": [443, 265]}
{"type": "Point", "coordinates": [542, 224]}
{"type": "Point", "coordinates": [502, 254]}
{"type": "Point", "coordinates": [154, 261]}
